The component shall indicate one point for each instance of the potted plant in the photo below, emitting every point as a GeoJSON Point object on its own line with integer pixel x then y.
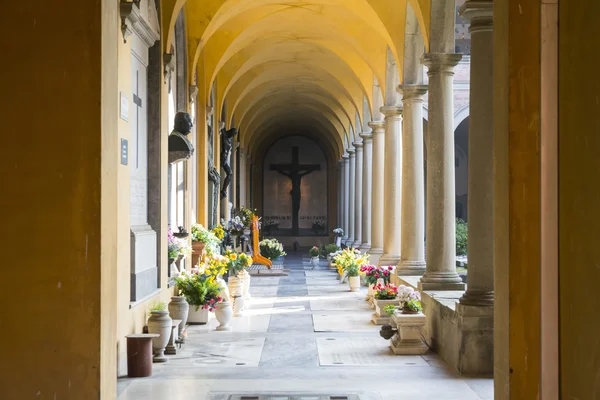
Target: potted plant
{"type": "Point", "coordinates": [384, 296]}
{"type": "Point", "coordinates": [202, 292]}
{"type": "Point", "coordinates": [374, 275]}
{"type": "Point", "coordinates": [203, 241]}
{"type": "Point", "coordinates": [314, 256]}
{"type": "Point", "coordinates": [271, 249]}
{"type": "Point", "coordinates": [239, 279]}
{"type": "Point", "coordinates": [173, 247]}
{"type": "Point", "coordinates": [409, 324]}
{"type": "Point", "coordinates": [159, 322]}
{"type": "Point", "coordinates": [410, 300]}
{"type": "Point", "coordinates": [246, 215]}
{"type": "Point", "coordinates": [223, 313]}
{"type": "Point", "coordinates": [349, 261]}
{"type": "Point", "coordinates": [339, 233]}
{"type": "Point", "coordinates": [179, 309]}
{"type": "Point", "coordinates": [182, 234]}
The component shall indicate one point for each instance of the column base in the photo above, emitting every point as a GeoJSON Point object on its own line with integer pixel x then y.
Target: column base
{"type": "Point", "coordinates": [389, 259]}
{"type": "Point", "coordinates": [374, 255]}
{"type": "Point", "coordinates": [365, 247]}
{"type": "Point", "coordinates": [349, 242]}
{"type": "Point", "coordinates": [411, 268]}
{"type": "Point", "coordinates": [357, 244]}
{"type": "Point", "coordinates": [441, 281]}
{"type": "Point", "coordinates": [476, 333]}
{"type": "Point", "coordinates": [477, 298]}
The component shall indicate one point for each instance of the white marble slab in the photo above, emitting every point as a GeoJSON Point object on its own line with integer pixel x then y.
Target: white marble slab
{"type": "Point", "coordinates": [316, 272]}
{"type": "Point", "coordinates": [262, 291]}
{"type": "Point", "coordinates": [249, 322]}
{"type": "Point", "coordinates": [362, 351]}
{"type": "Point", "coordinates": [229, 350]}
{"type": "Point", "coordinates": [346, 322]}
{"type": "Point", "coordinates": [264, 281]}
{"type": "Point", "coordinates": [337, 289]}
{"type": "Point", "coordinates": [343, 304]}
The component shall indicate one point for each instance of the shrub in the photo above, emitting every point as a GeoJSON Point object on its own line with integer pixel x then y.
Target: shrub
{"type": "Point", "coordinates": [271, 249]}
{"type": "Point", "coordinates": [314, 251]}
{"type": "Point", "coordinates": [461, 237]}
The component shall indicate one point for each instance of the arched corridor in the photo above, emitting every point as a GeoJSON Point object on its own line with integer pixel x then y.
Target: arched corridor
{"type": "Point", "coordinates": [142, 138]}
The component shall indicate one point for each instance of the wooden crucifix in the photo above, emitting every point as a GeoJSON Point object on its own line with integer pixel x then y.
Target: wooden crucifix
{"type": "Point", "coordinates": [295, 171]}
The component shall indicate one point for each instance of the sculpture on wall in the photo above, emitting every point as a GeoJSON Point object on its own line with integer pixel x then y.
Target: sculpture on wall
{"type": "Point", "coordinates": [226, 146]}
{"type": "Point", "coordinates": [213, 174]}
{"type": "Point", "coordinates": [180, 147]}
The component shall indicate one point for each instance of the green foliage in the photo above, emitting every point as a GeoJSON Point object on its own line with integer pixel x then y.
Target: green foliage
{"type": "Point", "coordinates": [352, 270]}
{"type": "Point", "coordinates": [160, 306]}
{"type": "Point", "coordinates": [271, 249]}
{"type": "Point", "coordinates": [328, 249]}
{"type": "Point", "coordinates": [461, 237]}
{"type": "Point", "coordinates": [390, 309]}
{"type": "Point", "coordinates": [413, 306]}
{"type": "Point", "coordinates": [197, 289]}
{"type": "Point", "coordinates": [314, 251]}
{"type": "Point", "coordinates": [210, 240]}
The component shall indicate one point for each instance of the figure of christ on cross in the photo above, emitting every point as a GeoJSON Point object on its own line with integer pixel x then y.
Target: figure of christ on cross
{"type": "Point", "coordinates": [295, 171]}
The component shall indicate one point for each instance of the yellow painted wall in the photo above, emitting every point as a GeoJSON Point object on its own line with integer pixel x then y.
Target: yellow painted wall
{"type": "Point", "coordinates": [54, 133]}
{"type": "Point", "coordinates": [579, 198]}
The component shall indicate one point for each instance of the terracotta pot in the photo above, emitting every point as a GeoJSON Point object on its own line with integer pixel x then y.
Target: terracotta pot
{"type": "Point", "coordinates": [224, 312]}
{"type": "Point", "coordinates": [354, 282]}
{"type": "Point", "coordinates": [160, 323]}
{"type": "Point", "coordinates": [198, 251]}
{"type": "Point", "coordinates": [179, 309]}
{"type": "Point", "coordinates": [197, 317]}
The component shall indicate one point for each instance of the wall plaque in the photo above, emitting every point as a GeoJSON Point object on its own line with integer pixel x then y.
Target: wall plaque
{"type": "Point", "coordinates": [124, 151]}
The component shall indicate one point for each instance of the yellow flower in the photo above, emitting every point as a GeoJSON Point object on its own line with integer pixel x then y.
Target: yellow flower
{"type": "Point", "coordinates": [233, 256]}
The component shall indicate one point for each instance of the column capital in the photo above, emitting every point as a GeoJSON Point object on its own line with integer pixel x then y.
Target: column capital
{"type": "Point", "coordinates": [366, 136]}
{"type": "Point", "coordinates": [350, 152]}
{"type": "Point", "coordinates": [480, 13]}
{"type": "Point", "coordinates": [345, 157]}
{"type": "Point", "coordinates": [412, 92]}
{"type": "Point", "coordinates": [340, 162]}
{"type": "Point", "coordinates": [358, 145]}
{"type": "Point", "coordinates": [377, 126]}
{"type": "Point", "coordinates": [440, 63]}
{"type": "Point", "coordinates": [391, 111]}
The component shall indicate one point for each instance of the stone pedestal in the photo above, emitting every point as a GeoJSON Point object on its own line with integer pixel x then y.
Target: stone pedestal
{"type": "Point", "coordinates": [377, 210]}
{"type": "Point", "coordinates": [408, 340]}
{"type": "Point", "coordinates": [171, 348]}
{"type": "Point", "coordinates": [475, 340]}
{"type": "Point", "coordinates": [440, 272]}
{"type": "Point", "coordinates": [380, 317]}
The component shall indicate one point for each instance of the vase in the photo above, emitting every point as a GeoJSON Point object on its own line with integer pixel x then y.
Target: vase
{"type": "Point", "coordinates": [161, 324]}
{"type": "Point", "coordinates": [338, 241]}
{"type": "Point", "coordinates": [179, 309]}
{"type": "Point", "coordinates": [197, 315]}
{"type": "Point", "coordinates": [244, 277]}
{"type": "Point", "coordinates": [224, 293]}
{"type": "Point", "coordinates": [223, 313]}
{"type": "Point", "coordinates": [238, 305]}
{"type": "Point", "coordinates": [236, 295]}
{"type": "Point", "coordinates": [354, 282]}
{"type": "Point", "coordinates": [197, 252]}
{"type": "Point", "coordinates": [314, 261]}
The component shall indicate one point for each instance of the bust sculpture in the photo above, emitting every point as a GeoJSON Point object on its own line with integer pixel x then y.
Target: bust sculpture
{"type": "Point", "coordinates": [180, 147]}
{"type": "Point", "coordinates": [226, 146]}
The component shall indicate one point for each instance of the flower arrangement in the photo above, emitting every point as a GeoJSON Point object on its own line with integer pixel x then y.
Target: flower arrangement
{"type": "Point", "coordinates": [319, 226]}
{"type": "Point", "coordinates": [328, 249]}
{"type": "Point", "coordinates": [199, 290]}
{"type": "Point", "coordinates": [408, 295]}
{"type": "Point", "coordinates": [387, 292]}
{"type": "Point", "coordinates": [246, 216]}
{"type": "Point", "coordinates": [176, 246]}
{"type": "Point", "coordinates": [338, 232]}
{"type": "Point", "coordinates": [214, 266]}
{"type": "Point", "coordinates": [372, 273]}
{"type": "Point", "coordinates": [211, 242]}
{"type": "Point", "coordinates": [271, 249]}
{"type": "Point", "coordinates": [237, 262]}
{"type": "Point", "coordinates": [350, 260]}
{"type": "Point", "coordinates": [219, 232]}
{"type": "Point", "coordinates": [314, 251]}
{"type": "Point", "coordinates": [235, 226]}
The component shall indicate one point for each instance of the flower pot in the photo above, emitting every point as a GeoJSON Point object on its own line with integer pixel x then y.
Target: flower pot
{"type": "Point", "coordinates": [197, 315]}
{"type": "Point", "coordinates": [238, 305]}
{"type": "Point", "coordinates": [354, 282]}
{"type": "Point", "coordinates": [224, 288]}
{"type": "Point", "coordinates": [223, 313]}
{"type": "Point", "coordinates": [314, 261]}
{"type": "Point", "coordinates": [387, 332]}
{"type": "Point", "coordinates": [178, 309]}
{"type": "Point", "coordinates": [380, 317]}
{"type": "Point", "coordinates": [161, 324]}
{"type": "Point", "coordinates": [198, 251]}
{"type": "Point", "coordinates": [235, 286]}
{"type": "Point", "coordinates": [244, 277]}
{"type": "Point", "coordinates": [181, 235]}
{"type": "Point", "coordinates": [338, 241]}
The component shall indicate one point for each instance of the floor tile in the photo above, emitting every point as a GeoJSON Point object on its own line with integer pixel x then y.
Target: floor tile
{"type": "Point", "coordinates": [373, 351]}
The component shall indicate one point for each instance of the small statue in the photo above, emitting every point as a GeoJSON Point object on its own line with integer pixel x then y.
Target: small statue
{"type": "Point", "coordinates": [180, 147]}
{"type": "Point", "coordinates": [226, 146]}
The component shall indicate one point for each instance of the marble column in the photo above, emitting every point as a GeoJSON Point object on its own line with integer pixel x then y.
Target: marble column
{"type": "Point", "coordinates": [358, 189]}
{"type": "Point", "coordinates": [242, 177]}
{"type": "Point", "coordinates": [351, 194]}
{"type": "Point", "coordinates": [440, 273]}
{"type": "Point", "coordinates": [412, 248]}
{"type": "Point", "coordinates": [377, 211]}
{"type": "Point", "coordinates": [392, 185]}
{"type": "Point", "coordinates": [346, 159]}
{"type": "Point", "coordinates": [367, 190]}
{"type": "Point", "coordinates": [340, 196]}
{"type": "Point", "coordinates": [480, 288]}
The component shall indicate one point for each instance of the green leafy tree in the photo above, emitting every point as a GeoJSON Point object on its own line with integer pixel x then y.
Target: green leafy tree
{"type": "Point", "coordinates": [461, 237]}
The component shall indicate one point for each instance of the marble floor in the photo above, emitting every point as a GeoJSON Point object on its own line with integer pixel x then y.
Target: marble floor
{"type": "Point", "coordinates": [304, 336]}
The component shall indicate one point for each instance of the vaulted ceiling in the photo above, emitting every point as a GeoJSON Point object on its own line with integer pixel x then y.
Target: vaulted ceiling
{"type": "Point", "coordinates": [294, 65]}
